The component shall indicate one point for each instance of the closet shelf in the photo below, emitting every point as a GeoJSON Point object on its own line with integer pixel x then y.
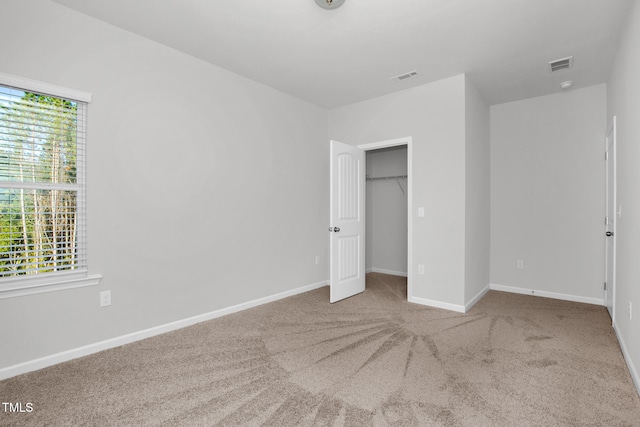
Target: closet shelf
{"type": "Point", "coordinates": [396, 177]}
{"type": "Point", "coordinates": [373, 178]}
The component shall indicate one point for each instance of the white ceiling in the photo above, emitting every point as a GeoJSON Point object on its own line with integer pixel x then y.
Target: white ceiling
{"type": "Point", "coordinates": [337, 57]}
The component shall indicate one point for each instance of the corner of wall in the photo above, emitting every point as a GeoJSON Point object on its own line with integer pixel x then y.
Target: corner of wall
{"type": "Point", "coordinates": [477, 194]}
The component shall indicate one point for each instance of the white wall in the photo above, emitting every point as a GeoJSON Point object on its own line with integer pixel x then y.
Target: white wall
{"type": "Point", "coordinates": [434, 116]}
{"type": "Point", "coordinates": [624, 103]}
{"type": "Point", "coordinates": [205, 189]}
{"type": "Point", "coordinates": [387, 211]}
{"type": "Point", "coordinates": [547, 193]}
{"type": "Point", "coordinates": [477, 194]}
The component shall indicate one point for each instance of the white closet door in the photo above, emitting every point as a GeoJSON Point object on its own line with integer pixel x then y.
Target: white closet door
{"type": "Point", "coordinates": [347, 221]}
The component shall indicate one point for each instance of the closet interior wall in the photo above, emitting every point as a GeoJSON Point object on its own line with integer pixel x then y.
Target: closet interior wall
{"type": "Point", "coordinates": [386, 204]}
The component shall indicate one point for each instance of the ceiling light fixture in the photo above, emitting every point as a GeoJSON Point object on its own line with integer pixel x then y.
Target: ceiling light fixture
{"type": "Point", "coordinates": [329, 4]}
{"type": "Point", "coordinates": [566, 85]}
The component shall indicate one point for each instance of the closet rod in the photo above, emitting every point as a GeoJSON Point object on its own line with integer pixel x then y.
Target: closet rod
{"type": "Point", "coordinates": [370, 178]}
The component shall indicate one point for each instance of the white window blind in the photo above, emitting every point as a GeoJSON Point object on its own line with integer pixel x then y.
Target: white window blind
{"type": "Point", "coordinates": [42, 186]}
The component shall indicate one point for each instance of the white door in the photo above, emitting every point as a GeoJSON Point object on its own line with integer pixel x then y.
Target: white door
{"type": "Point", "coordinates": [347, 221]}
{"type": "Point", "coordinates": [610, 218]}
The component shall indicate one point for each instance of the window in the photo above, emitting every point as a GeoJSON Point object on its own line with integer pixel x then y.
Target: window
{"type": "Point", "coordinates": [43, 244]}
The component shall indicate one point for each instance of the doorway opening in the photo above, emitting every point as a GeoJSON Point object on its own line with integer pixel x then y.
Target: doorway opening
{"type": "Point", "coordinates": [386, 212]}
{"type": "Point", "coordinates": [348, 217]}
{"type": "Point", "coordinates": [388, 201]}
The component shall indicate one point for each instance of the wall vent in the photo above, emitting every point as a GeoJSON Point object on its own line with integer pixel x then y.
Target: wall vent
{"type": "Point", "coordinates": [404, 76]}
{"type": "Point", "coordinates": [561, 64]}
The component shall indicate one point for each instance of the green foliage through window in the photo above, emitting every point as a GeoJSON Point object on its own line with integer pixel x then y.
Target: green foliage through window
{"type": "Point", "coordinates": [39, 186]}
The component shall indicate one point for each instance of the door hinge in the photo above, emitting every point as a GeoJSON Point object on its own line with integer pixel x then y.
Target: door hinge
{"type": "Point", "coordinates": [605, 286]}
{"type": "Point", "coordinates": [606, 155]}
{"type": "Point", "coordinates": [606, 220]}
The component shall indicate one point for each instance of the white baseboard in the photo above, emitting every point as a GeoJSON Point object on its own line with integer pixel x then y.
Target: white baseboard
{"type": "Point", "coordinates": [477, 298]}
{"type": "Point", "coordinates": [65, 356]}
{"type": "Point", "coordinates": [545, 294]}
{"type": "Point", "coordinates": [627, 358]}
{"type": "Point", "coordinates": [437, 304]}
{"type": "Point", "coordinates": [385, 271]}
{"type": "Point", "coordinates": [448, 306]}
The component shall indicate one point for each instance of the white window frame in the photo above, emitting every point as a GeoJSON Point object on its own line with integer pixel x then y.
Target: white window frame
{"type": "Point", "coordinates": [47, 282]}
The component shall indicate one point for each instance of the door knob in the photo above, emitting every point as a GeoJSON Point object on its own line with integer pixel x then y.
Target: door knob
{"type": "Point", "coordinates": [336, 229]}
{"type": "Point", "coordinates": [609, 233]}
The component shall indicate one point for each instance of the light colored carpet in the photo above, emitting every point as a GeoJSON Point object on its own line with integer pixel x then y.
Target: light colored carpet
{"type": "Point", "coordinates": [373, 359]}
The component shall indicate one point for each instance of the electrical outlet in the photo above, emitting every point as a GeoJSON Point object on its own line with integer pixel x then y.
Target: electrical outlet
{"type": "Point", "coordinates": [420, 268]}
{"type": "Point", "coordinates": [105, 298]}
{"type": "Point", "coordinates": [520, 264]}
{"type": "Point", "coordinates": [317, 259]}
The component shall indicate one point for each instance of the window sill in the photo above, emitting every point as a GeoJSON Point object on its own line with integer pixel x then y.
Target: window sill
{"type": "Point", "coordinates": [49, 284]}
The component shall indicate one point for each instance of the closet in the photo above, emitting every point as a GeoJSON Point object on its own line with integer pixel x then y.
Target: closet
{"type": "Point", "coordinates": [386, 211]}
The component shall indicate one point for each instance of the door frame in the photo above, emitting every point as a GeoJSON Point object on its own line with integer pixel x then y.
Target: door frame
{"type": "Point", "coordinates": [611, 163]}
{"type": "Point", "coordinates": [408, 141]}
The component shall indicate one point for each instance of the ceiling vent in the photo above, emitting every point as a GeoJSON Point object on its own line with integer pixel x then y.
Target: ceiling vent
{"type": "Point", "coordinates": [561, 64]}
{"type": "Point", "coordinates": [404, 76]}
